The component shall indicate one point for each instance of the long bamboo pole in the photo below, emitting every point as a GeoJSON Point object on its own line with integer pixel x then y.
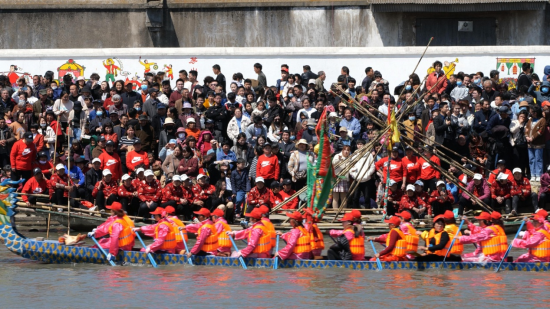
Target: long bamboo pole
{"type": "Point", "coordinates": [54, 153]}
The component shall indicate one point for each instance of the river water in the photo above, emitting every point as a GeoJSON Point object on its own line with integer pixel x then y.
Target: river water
{"type": "Point", "coordinates": [28, 284]}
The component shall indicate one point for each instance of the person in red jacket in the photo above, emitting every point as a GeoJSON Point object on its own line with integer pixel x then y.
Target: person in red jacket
{"type": "Point", "coordinates": [441, 199]}
{"type": "Point", "coordinates": [437, 80]}
{"type": "Point", "coordinates": [412, 203]}
{"type": "Point", "coordinates": [35, 185]}
{"type": "Point", "coordinates": [58, 186]}
{"type": "Point", "coordinates": [38, 139]}
{"type": "Point", "coordinates": [202, 192]}
{"type": "Point", "coordinates": [43, 164]}
{"type": "Point", "coordinates": [286, 193]}
{"type": "Point", "coordinates": [411, 169]}
{"type": "Point", "coordinates": [394, 197]}
{"type": "Point", "coordinates": [501, 168]}
{"type": "Point", "coordinates": [22, 157]}
{"type": "Point", "coordinates": [140, 178]}
{"type": "Point", "coordinates": [521, 191]}
{"type": "Point", "coordinates": [149, 193]}
{"type": "Point", "coordinates": [259, 195]}
{"type": "Point", "coordinates": [111, 161]}
{"type": "Point", "coordinates": [397, 171]}
{"type": "Point", "coordinates": [105, 191]}
{"type": "Point", "coordinates": [268, 166]}
{"type": "Point", "coordinates": [501, 193]}
{"type": "Point", "coordinates": [136, 157]}
{"type": "Point", "coordinates": [172, 194]}
{"type": "Point", "coordinates": [189, 164]}
{"type": "Point", "coordinates": [189, 196]}
{"type": "Point", "coordinates": [428, 174]}
{"type": "Point", "coordinates": [128, 195]}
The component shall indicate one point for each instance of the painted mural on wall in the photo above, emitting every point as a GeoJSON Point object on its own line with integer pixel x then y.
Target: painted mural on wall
{"type": "Point", "coordinates": [70, 67]}
{"type": "Point", "coordinates": [112, 69]}
{"type": "Point", "coordinates": [510, 68]}
{"type": "Point", "coordinates": [448, 67]}
{"type": "Point", "coordinates": [15, 72]}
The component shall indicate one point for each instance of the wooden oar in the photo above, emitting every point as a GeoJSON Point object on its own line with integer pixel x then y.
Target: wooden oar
{"type": "Point", "coordinates": [377, 259]}
{"type": "Point", "coordinates": [190, 259]}
{"type": "Point", "coordinates": [509, 247]}
{"type": "Point", "coordinates": [104, 253]}
{"type": "Point", "coordinates": [276, 259]}
{"type": "Point", "coordinates": [237, 249]}
{"type": "Point", "coordinates": [452, 242]}
{"type": "Point", "coordinates": [149, 255]}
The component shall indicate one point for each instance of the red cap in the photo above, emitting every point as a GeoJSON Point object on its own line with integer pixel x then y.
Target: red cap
{"type": "Point", "coordinates": [484, 216]}
{"type": "Point", "coordinates": [348, 217]}
{"type": "Point", "coordinates": [295, 215]}
{"type": "Point", "coordinates": [170, 210]}
{"type": "Point", "coordinates": [404, 214]}
{"type": "Point", "coordinates": [284, 69]}
{"type": "Point", "coordinates": [394, 220]}
{"type": "Point", "coordinates": [218, 212]}
{"type": "Point", "coordinates": [538, 218]}
{"type": "Point", "coordinates": [449, 215]}
{"type": "Point", "coordinates": [263, 209]}
{"type": "Point", "coordinates": [496, 215]}
{"type": "Point", "coordinates": [545, 103]}
{"type": "Point", "coordinates": [255, 213]}
{"type": "Point", "coordinates": [203, 211]}
{"type": "Point", "coordinates": [439, 217]}
{"type": "Point", "coordinates": [158, 211]}
{"type": "Point", "coordinates": [356, 214]}
{"type": "Point", "coordinates": [115, 206]}
{"type": "Point", "coordinates": [543, 213]}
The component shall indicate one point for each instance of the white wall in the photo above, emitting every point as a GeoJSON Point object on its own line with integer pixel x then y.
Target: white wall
{"type": "Point", "coordinates": [395, 63]}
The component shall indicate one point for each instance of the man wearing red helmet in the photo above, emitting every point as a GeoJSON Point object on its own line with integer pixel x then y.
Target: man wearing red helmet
{"type": "Point", "coordinates": [298, 242]}
{"type": "Point", "coordinates": [489, 238]}
{"type": "Point", "coordinates": [119, 228]}
{"type": "Point", "coordinates": [536, 239]}
{"type": "Point", "coordinates": [207, 235]}
{"type": "Point", "coordinates": [258, 237]}
{"type": "Point", "coordinates": [396, 245]}
{"type": "Point", "coordinates": [163, 232]}
{"type": "Point", "coordinates": [355, 239]}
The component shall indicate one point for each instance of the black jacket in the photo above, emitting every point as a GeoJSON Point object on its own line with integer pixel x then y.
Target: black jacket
{"type": "Point", "coordinates": [220, 116]}
{"type": "Point", "coordinates": [221, 81]}
{"type": "Point", "coordinates": [92, 177]}
{"type": "Point", "coordinates": [271, 113]}
{"type": "Point", "coordinates": [129, 98]}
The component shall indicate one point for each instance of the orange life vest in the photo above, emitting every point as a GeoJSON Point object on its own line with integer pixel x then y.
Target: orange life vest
{"type": "Point", "coordinates": [177, 224]}
{"type": "Point", "coordinates": [437, 238]}
{"type": "Point", "coordinates": [211, 242]}
{"type": "Point", "coordinates": [493, 245]}
{"type": "Point", "coordinates": [502, 237]}
{"type": "Point", "coordinates": [126, 236]}
{"type": "Point", "coordinates": [170, 239]}
{"type": "Point", "coordinates": [316, 243]}
{"type": "Point", "coordinates": [457, 248]}
{"type": "Point", "coordinates": [357, 244]}
{"type": "Point", "coordinates": [411, 238]}
{"type": "Point", "coordinates": [264, 244]}
{"type": "Point", "coordinates": [130, 223]}
{"type": "Point", "coordinates": [543, 249]}
{"type": "Point", "coordinates": [303, 245]}
{"type": "Point", "coordinates": [272, 233]}
{"type": "Point", "coordinates": [223, 239]}
{"type": "Point", "coordinates": [400, 248]}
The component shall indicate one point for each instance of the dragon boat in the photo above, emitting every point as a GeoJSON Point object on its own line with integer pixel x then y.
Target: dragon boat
{"type": "Point", "coordinates": [53, 252]}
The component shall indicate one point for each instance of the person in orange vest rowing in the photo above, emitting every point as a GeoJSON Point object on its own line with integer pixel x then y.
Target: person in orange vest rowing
{"type": "Point", "coordinates": [452, 229]}
{"type": "Point", "coordinates": [163, 232]}
{"type": "Point", "coordinates": [269, 226]}
{"type": "Point", "coordinates": [316, 237]}
{"type": "Point", "coordinates": [438, 242]}
{"type": "Point", "coordinates": [536, 239]}
{"type": "Point", "coordinates": [396, 245]}
{"type": "Point", "coordinates": [543, 213]}
{"type": "Point", "coordinates": [298, 241]}
{"type": "Point", "coordinates": [119, 228]}
{"type": "Point", "coordinates": [180, 226]}
{"type": "Point", "coordinates": [410, 232]}
{"type": "Point", "coordinates": [224, 243]}
{"type": "Point", "coordinates": [207, 235]}
{"type": "Point", "coordinates": [258, 237]}
{"type": "Point", "coordinates": [489, 237]}
{"type": "Point", "coordinates": [354, 237]}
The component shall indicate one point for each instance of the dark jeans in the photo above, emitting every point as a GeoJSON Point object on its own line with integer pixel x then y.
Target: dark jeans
{"type": "Point", "coordinates": [439, 208]}
{"type": "Point", "coordinates": [506, 203]}
{"type": "Point", "coordinates": [523, 202]}
{"type": "Point", "coordinates": [18, 174]}
{"type": "Point", "coordinates": [464, 203]}
{"type": "Point", "coordinates": [144, 211]}
{"type": "Point", "coordinates": [130, 205]}
{"type": "Point", "coordinates": [299, 184]}
{"type": "Point", "coordinates": [77, 193]}
{"type": "Point", "coordinates": [368, 189]}
{"type": "Point", "coordinates": [429, 184]}
{"type": "Point", "coordinates": [539, 201]}
{"type": "Point", "coordinates": [101, 201]}
{"type": "Point", "coordinates": [521, 159]}
{"type": "Point", "coordinates": [58, 198]}
{"type": "Point", "coordinates": [34, 199]}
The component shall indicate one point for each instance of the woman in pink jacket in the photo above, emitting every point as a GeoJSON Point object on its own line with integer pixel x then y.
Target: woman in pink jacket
{"type": "Point", "coordinates": [536, 239]}
{"type": "Point", "coordinates": [259, 240]}
{"type": "Point", "coordinates": [162, 232]}
{"type": "Point", "coordinates": [298, 242]}
{"type": "Point", "coordinates": [113, 229]}
{"type": "Point", "coordinates": [490, 249]}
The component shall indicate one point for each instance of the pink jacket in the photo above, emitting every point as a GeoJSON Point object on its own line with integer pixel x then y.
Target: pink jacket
{"type": "Point", "coordinates": [349, 235]}
{"type": "Point", "coordinates": [287, 253]}
{"type": "Point", "coordinates": [149, 230]}
{"type": "Point", "coordinates": [252, 241]}
{"type": "Point", "coordinates": [479, 236]}
{"type": "Point", "coordinates": [106, 243]}
{"type": "Point", "coordinates": [205, 232]}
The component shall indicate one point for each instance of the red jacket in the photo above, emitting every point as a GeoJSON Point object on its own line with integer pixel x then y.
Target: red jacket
{"type": "Point", "coordinates": [397, 171]}
{"type": "Point", "coordinates": [136, 183]}
{"type": "Point", "coordinates": [434, 198]}
{"type": "Point", "coordinates": [495, 173]}
{"type": "Point", "coordinates": [32, 186]}
{"type": "Point", "coordinates": [46, 168]}
{"type": "Point", "coordinates": [258, 197]}
{"type": "Point", "coordinates": [134, 158]}
{"type": "Point", "coordinates": [22, 156]}
{"type": "Point", "coordinates": [123, 191]}
{"type": "Point", "coordinates": [171, 193]}
{"type": "Point", "coordinates": [283, 196]}
{"type": "Point", "coordinates": [202, 193]}
{"type": "Point", "coordinates": [150, 191]}
{"type": "Point", "coordinates": [498, 189]}
{"type": "Point", "coordinates": [189, 167]}
{"type": "Point", "coordinates": [408, 202]}
{"type": "Point", "coordinates": [56, 179]}
{"type": "Point", "coordinates": [411, 169]}
{"type": "Point", "coordinates": [426, 170]}
{"type": "Point", "coordinates": [521, 188]}
{"type": "Point", "coordinates": [39, 142]}
{"type": "Point", "coordinates": [432, 80]}
{"type": "Point", "coordinates": [267, 167]}
{"type": "Point", "coordinates": [111, 162]}
{"type": "Point", "coordinates": [188, 194]}
{"type": "Point", "coordinates": [396, 196]}
{"type": "Point", "coordinates": [107, 188]}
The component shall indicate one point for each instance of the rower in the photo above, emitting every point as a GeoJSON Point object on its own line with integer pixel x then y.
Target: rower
{"type": "Point", "coordinates": [258, 237]}
{"type": "Point", "coordinates": [207, 235]}
{"type": "Point", "coordinates": [355, 239]}
{"type": "Point", "coordinates": [316, 237]}
{"type": "Point", "coordinates": [408, 229]}
{"type": "Point", "coordinates": [536, 239]}
{"type": "Point", "coordinates": [487, 235]}
{"type": "Point", "coordinates": [396, 245]}
{"type": "Point", "coordinates": [179, 225]}
{"type": "Point", "coordinates": [298, 241]}
{"type": "Point", "coordinates": [269, 226]}
{"type": "Point", "coordinates": [543, 213]}
{"type": "Point", "coordinates": [438, 242]}
{"type": "Point", "coordinates": [452, 229]}
{"type": "Point", "coordinates": [163, 232]}
{"type": "Point", "coordinates": [224, 243]}
{"type": "Point", "coordinates": [496, 219]}
{"type": "Point", "coordinates": [119, 227]}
